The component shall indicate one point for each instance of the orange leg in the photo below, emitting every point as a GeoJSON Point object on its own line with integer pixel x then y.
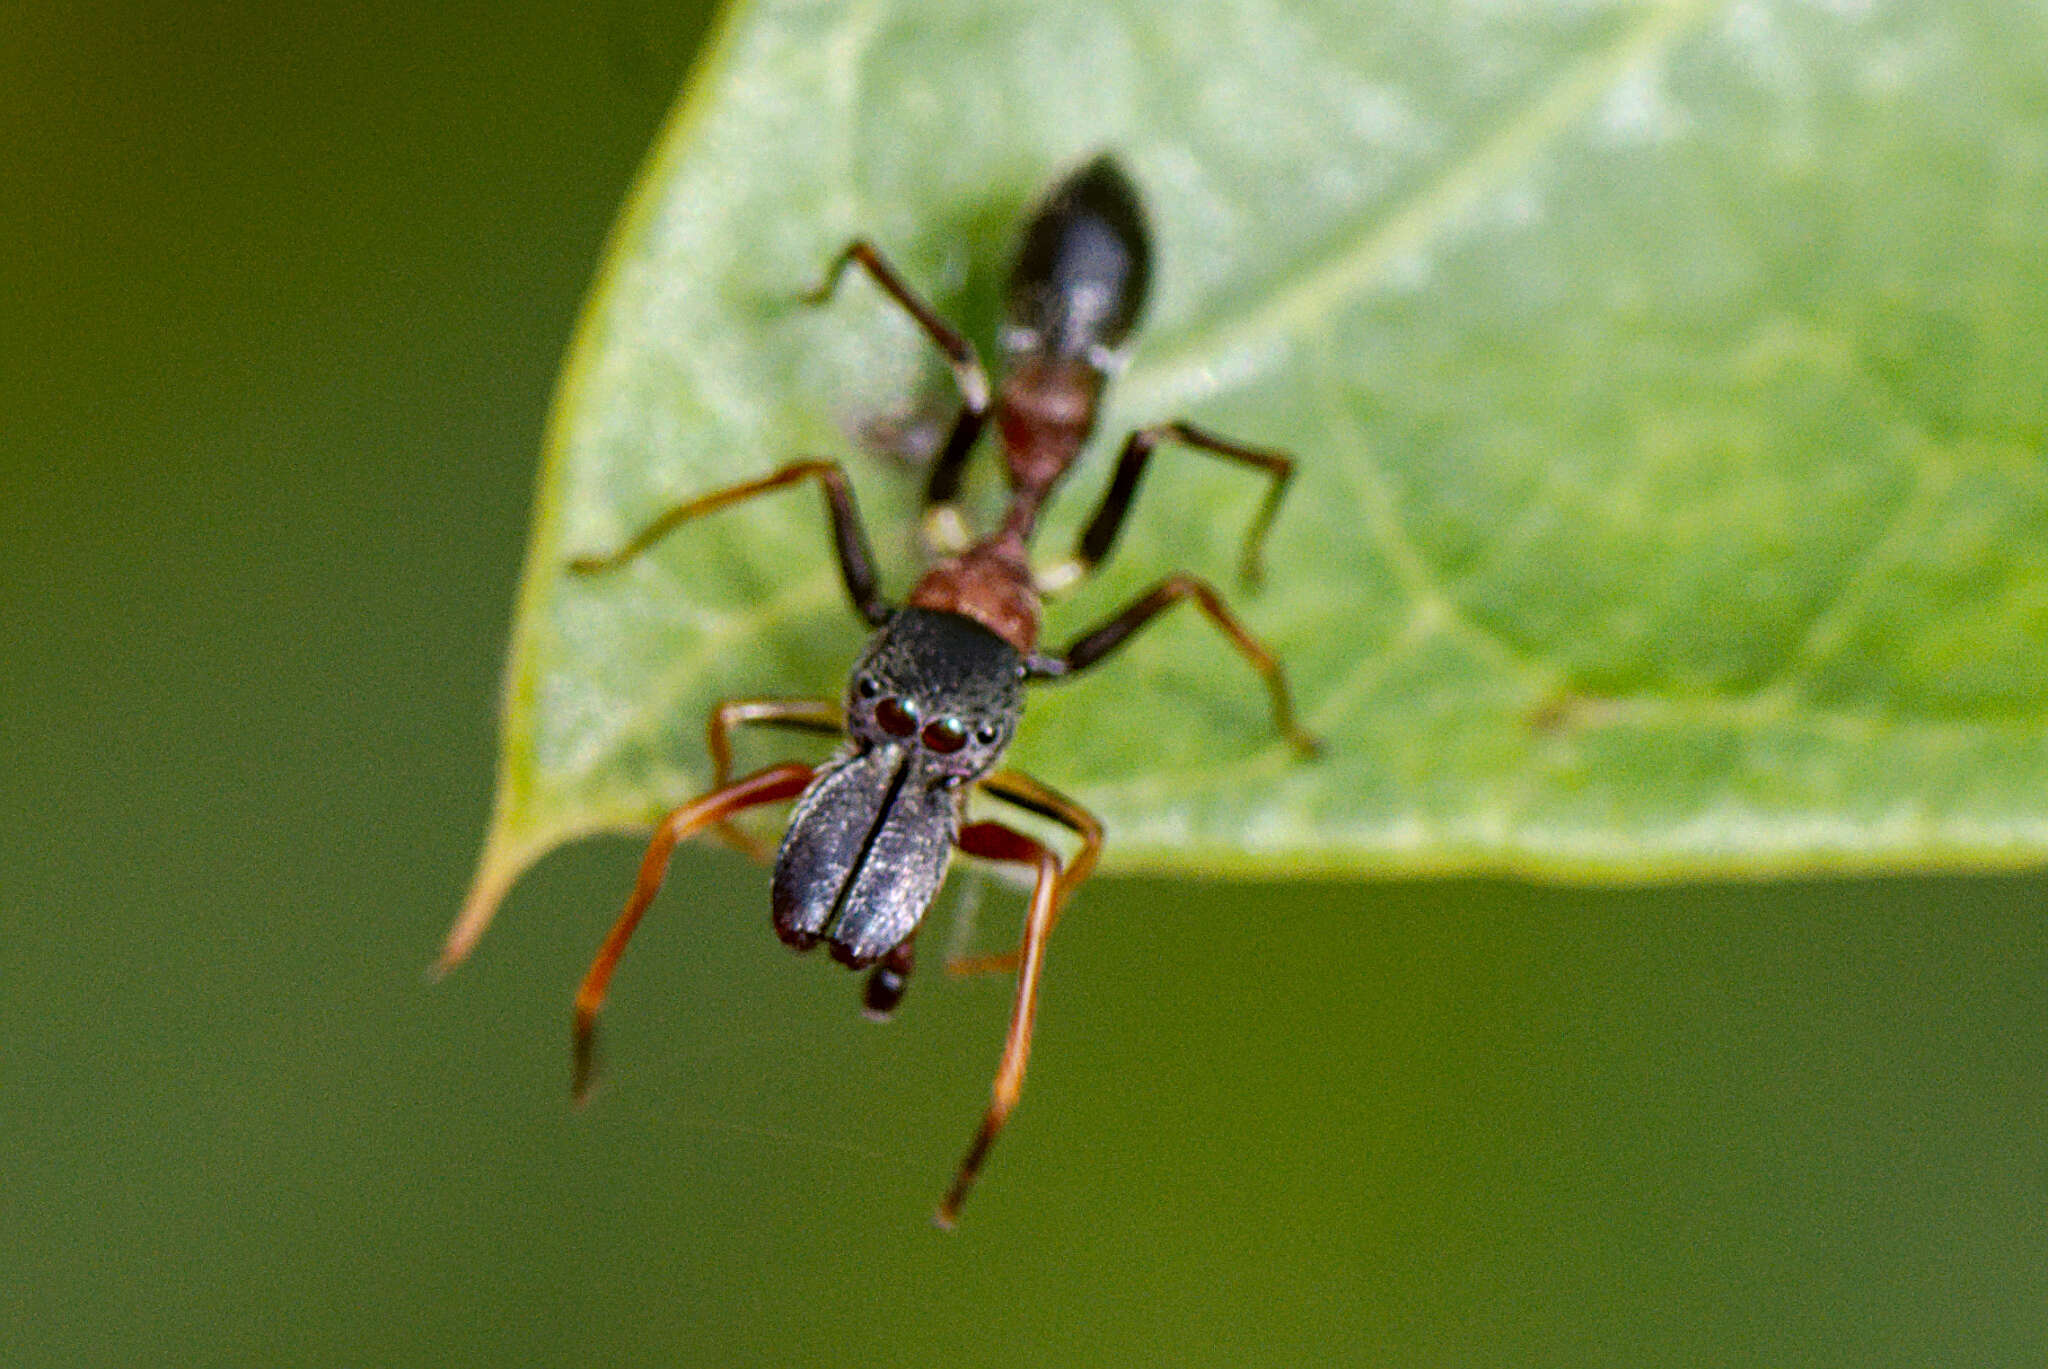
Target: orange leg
{"type": "Point", "coordinates": [767, 786]}
{"type": "Point", "coordinates": [1029, 794]}
{"type": "Point", "coordinates": [802, 715]}
{"type": "Point", "coordinates": [993, 841]}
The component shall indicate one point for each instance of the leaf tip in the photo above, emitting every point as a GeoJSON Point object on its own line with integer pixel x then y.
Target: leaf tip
{"type": "Point", "coordinates": [496, 873]}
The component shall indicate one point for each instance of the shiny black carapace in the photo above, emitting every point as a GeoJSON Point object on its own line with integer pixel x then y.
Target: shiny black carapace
{"type": "Point", "coordinates": [936, 694]}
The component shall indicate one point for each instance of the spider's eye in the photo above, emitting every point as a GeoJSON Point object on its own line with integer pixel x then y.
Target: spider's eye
{"type": "Point", "coordinates": [944, 736]}
{"type": "Point", "coordinates": [895, 718]}
{"type": "Point", "coordinates": [866, 687]}
{"type": "Point", "coordinates": [986, 734]}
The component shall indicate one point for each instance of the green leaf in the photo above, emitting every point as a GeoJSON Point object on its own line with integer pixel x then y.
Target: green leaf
{"type": "Point", "coordinates": [1666, 382]}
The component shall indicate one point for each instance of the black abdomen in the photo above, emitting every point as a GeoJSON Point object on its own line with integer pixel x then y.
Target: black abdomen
{"type": "Point", "coordinates": [1083, 269]}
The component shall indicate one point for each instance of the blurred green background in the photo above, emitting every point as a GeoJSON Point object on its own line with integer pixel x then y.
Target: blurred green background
{"type": "Point", "coordinates": [283, 294]}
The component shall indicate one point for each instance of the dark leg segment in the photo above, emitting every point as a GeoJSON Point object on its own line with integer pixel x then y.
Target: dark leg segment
{"type": "Point", "coordinates": [944, 483]}
{"type": "Point", "coordinates": [993, 841]}
{"type": "Point", "coordinates": [767, 786]}
{"type": "Point", "coordinates": [883, 992]}
{"type": "Point", "coordinates": [1100, 534]}
{"type": "Point", "coordinates": [942, 486]}
{"type": "Point", "coordinates": [1014, 786]}
{"type": "Point", "coordinates": [1107, 638]}
{"type": "Point", "coordinates": [856, 561]}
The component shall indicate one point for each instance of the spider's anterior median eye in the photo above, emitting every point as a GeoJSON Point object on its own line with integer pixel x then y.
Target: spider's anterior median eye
{"type": "Point", "coordinates": [945, 736]}
{"type": "Point", "coordinates": [895, 718]}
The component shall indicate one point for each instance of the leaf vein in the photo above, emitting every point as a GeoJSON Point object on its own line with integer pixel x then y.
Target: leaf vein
{"type": "Point", "coordinates": [1414, 225]}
